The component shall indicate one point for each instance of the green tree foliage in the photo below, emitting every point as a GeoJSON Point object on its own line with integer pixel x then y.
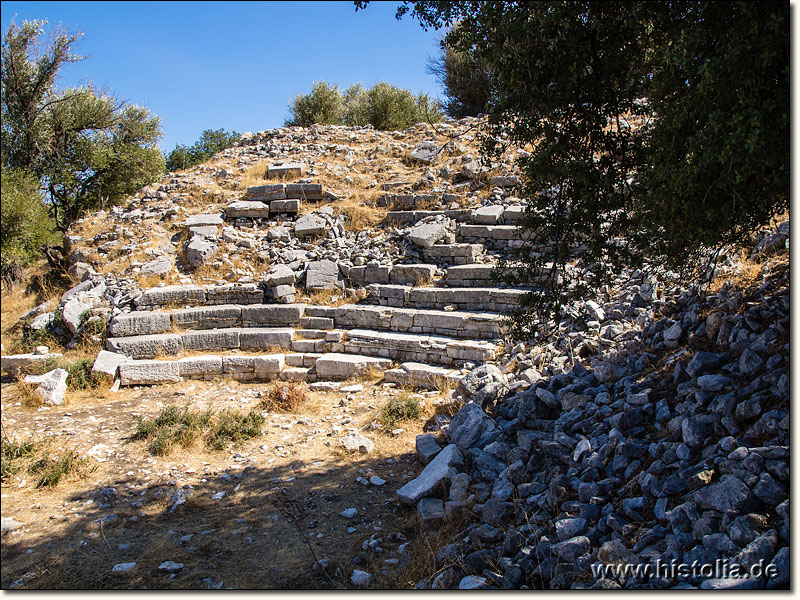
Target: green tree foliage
{"type": "Point", "coordinates": [464, 80]}
{"type": "Point", "coordinates": [660, 131]}
{"type": "Point", "coordinates": [26, 225]}
{"type": "Point", "coordinates": [210, 143]}
{"type": "Point", "coordinates": [384, 106]}
{"type": "Point", "coordinates": [87, 149]}
{"type": "Point", "coordinates": [322, 106]}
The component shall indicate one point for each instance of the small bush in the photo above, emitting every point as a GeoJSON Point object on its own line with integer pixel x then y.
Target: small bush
{"type": "Point", "coordinates": [210, 143]}
{"type": "Point", "coordinates": [284, 397]}
{"type": "Point", "coordinates": [182, 426]}
{"type": "Point", "coordinates": [50, 465]}
{"type": "Point", "coordinates": [401, 408]}
{"type": "Point", "coordinates": [322, 106]}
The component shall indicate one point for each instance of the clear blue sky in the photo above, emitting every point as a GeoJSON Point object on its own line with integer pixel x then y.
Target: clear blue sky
{"type": "Point", "coordinates": [233, 65]}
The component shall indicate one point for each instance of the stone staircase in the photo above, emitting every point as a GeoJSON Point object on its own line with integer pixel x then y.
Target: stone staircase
{"type": "Point", "coordinates": [419, 323]}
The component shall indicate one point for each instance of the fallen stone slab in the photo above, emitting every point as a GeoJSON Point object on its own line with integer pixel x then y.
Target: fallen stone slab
{"type": "Point", "coordinates": [471, 427]}
{"type": "Point", "coordinates": [355, 442]}
{"type": "Point", "coordinates": [488, 215]}
{"type": "Point", "coordinates": [52, 386]}
{"type": "Point", "coordinates": [107, 363]}
{"type": "Point", "coordinates": [427, 447]}
{"type": "Point", "coordinates": [430, 510]}
{"type": "Point", "coordinates": [309, 225]}
{"type": "Point", "coordinates": [322, 275]}
{"type": "Point", "coordinates": [199, 250]}
{"type": "Point", "coordinates": [428, 234]}
{"type": "Point", "coordinates": [280, 275]}
{"type": "Point", "coordinates": [149, 372]}
{"type": "Point", "coordinates": [425, 152]}
{"type": "Point", "coordinates": [160, 266]}
{"type": "Point", "coordinates": [203, 220]}
{"type": "Point", "coordinates": [72, 312]}
{"type": "Point", "coordinates": [441, 470]}
{"type": "Point", "coordinates": [343, 366]}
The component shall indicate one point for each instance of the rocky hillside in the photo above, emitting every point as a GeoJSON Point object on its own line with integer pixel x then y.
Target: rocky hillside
{"type": "Point", "coordinates": [653, 427]}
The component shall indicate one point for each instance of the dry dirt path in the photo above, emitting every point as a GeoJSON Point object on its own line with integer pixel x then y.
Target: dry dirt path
{"type": "Point", "coordinates": [232, 531]}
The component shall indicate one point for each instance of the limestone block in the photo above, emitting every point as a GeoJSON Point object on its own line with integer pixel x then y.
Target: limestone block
{"type": "Point", "coordinates": [425, 152]}
{"type": "Point", "coordinates": [73, 310]}
{"type": "Point", "coordinates": [52, 386]}
{"type": "Point", "coordinates": [304, 191]}
{"type": "Point", "coordinates": [146, 346]}
{"type": "Point", "coordinates": [440, 471]}
{"type": "Point", "coordinates": [309, 225]}
{"type": "Point", "coordinates": [210, 232]}
{"type": "Point", "coordinates": [428, 234]}
{"type": "Point", "coordinates": [272, 314]}
{"type": "Point", "coordinates": [322, 275]}
{"type": "Point", "coordinates": [280, 275]}
{"type": "Point", "coordinates": [207, 317]}
{"type": "Point", "coordinates": [149, 372]}
{"type": "Point", "coordinates": [238, 364]}
{"type": "Point", "coordinates": [505, 181]}
{"type": "Point", "coordinates": [256, 338]}
{"type": "Point", "coordinates": [172, 294]}
{"type": "Point", "coordinates": [269, 364]}
{"type": "Point", "coordinates": [284, 206]}
{"type": "Point", "coordinates": [265, 193]}
{"type": "Point", "coordinates": [247, 209]}
{"type": "Point", "coordinates": [200, 366]}
{"type": "Point", "coordinates": [512, 214]}
{"type": "Point", "coordinates": [199, 250]}
{"type": "Point", "coordinates": [286, 170]}
{"type": "Point", "coordinates": [412, 274]}
{"type": "Point", "coordinates": [203, 220]}
{"type": "Point", "coordinates": [342, 366]}
{"type": "Point", "coordinates": [213, 339]}
{"type": "Point", "coordinates": [139, 323]}
{"type": "Point", "coordinates": [107, 363]}
{"type": "Point", "coordinates": [234, 293]}
{"type": "Point", "coordinates": [488, 215]}
{"type": "Point", "coordinates": [21, 363]}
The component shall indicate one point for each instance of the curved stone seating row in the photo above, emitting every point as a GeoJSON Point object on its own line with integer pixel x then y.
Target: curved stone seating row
{"type": "Point", "coordinates": [349, 316]}
{"type": "Point", "coordinates": [480, 275]}
{"type": "Point", "coordinates": [178, 295]}
{"type": "Point", "coordinates": [491, 237]}
{"type": "Point", "coordinates": [432, 349]}
{"type": "Point", "coordinates": [481, 299]}
{"type": "Point", "coordinates": [453, 254]}
{"type": "Point", "coordinates": [495, 214]}
{"type": "Point", "coordinates": [266, 367]}
{"type": "Point", "coordinates": [283, 367]}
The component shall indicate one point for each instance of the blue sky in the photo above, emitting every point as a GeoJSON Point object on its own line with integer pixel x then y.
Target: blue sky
{"type": "Point", "coordinates": [233, 65]}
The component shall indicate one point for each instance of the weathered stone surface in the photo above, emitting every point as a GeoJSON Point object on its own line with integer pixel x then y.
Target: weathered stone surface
{"type": "Point", "coordinates": [160, 266]}
{"type": "Point", "coordinates": [146, 346]}
{"type": "Point", "coordinates": [172, 294]}
{"type": "Point", "coordinates": [213, 339]}
{"type": "Point", "coordinates": [199, 250]}
{"type": "Point", "coordinates": [304, 191]}
{"type": "Point", "coordinates": [488, 215]}
{"type": "Point", "coordinates": [247, 209]}
{"type": "Point", "coordinates": [265, 193]}
{"type": "Point", "coordinates": [149, 372]}
{"type": "Point", "coordinates": [207, 317]}
{"type": "Point", "coordinates": [343, 366]}
{"type": "Point", "coordinates": [471, 427]}
{"type": "Point", "coordinates": [269, 364]}
{"type": "Point", "coordinates": [289, 169]}
{"type": "Point", "coordinates": [252, 338]}
{"type": "Point", "coordinates": [280, 275]}
{"type": "Point", "coordinates": [284, 206]}
{"type": "Point", "coordinates": [427, 234]}
{"type": "Point", "coordinates": [572, 548]}
{"type": "Point", "coordinates": [427, 447]}
{"type": "Point", "coordinates": [412, 274]}
{"type": "Point", "coordinates": [322, 275]}
{"type": "Point", "coordinates": [355, 442]}
{"type": "Point", "coordinates": [203, 220]}
{"type": "Point", "coordinates": [728, 494]}
{"type": "Point", "coordinates": [73, 310]}
{"type": "Point", "coordinates": [107, 363]}
{"type": "Point", "coordinates": [425, 152]}
{"type": "Point", "coordinates": [430, 510]}
{"type": "Point", "coordinates": [309, 225]}
{"type": "Point", "coordinates": [440, 471]}
{"type": "Point", "coordinates": [272, 314]}
{"type": "Point", "coordinates": [139, 323]}
{"type": "Point", "coordinates": [200, 366]}
{"type": "Point", "coordinates": [52, 386]}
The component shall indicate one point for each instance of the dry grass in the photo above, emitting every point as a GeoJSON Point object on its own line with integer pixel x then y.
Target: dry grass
{"type": "Point", "coordinates": [284, 397]}
{"type": "Point", "coordinates": [371, 374]}
{"type": "Point", "coordinates": [332, 297]}
{"type": "Point", "coordinates": [254, 175]}
{"type": "Point", "coordinates": [745, 274]}
{"type": "Point", "coordinates": [359, 213]}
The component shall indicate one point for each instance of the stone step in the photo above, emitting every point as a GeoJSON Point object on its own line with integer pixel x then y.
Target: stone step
{"type": "Point", "coordinates": [415, 201]}
{"type": "Point", "coordinates": [419, 375]}
{"type": "Point", "coordinates": [403, 274]}
{"type": "Point", "coordinates": [209, 295]}
{"type": "Point", "coordinates": [477, 275]}
{"type": "Point", "coordinates": [496, 214]}
{"type": "Point", "coordinates": [453, 254]}
{"type": "Point", "coordinates": [492, 237]}
{"type": "Point", "coordinates": [434, 349]}
{"type": "Point", "coordinates": [265, 367]}
{"type": "Point", "coordinates": [316, 319]}
{"type": "Point", "coordinates": [479, 299]}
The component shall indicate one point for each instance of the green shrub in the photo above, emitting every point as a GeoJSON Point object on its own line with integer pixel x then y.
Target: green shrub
{"type": "Point", "coordinates": [51, 465]}
{"type": "Point", "coordinates": [398, 409]}
{"type": "Point", "coordinates": [210, 143]}
{"type": "Point", "coordinates": [182, 426]}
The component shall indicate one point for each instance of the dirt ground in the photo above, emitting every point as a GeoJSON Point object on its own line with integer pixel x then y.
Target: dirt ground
{"type": "Point", "coordinates": [234, 530]}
